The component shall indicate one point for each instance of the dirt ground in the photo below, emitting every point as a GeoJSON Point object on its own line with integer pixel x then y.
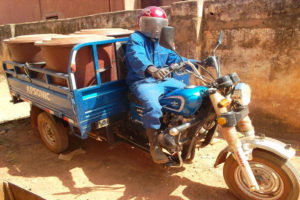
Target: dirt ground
{"type": "Point", "coordinates": [102, 173]}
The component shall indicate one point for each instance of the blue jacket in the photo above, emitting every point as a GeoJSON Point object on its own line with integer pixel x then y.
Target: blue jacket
{"type": "Point", "coordinates": [142, 52]}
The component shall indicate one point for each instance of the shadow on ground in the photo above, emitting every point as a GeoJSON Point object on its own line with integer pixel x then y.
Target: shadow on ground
{"type": "Point", "coordinates": [120, 173]}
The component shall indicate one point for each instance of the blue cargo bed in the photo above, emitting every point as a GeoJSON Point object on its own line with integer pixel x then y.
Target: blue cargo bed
{"type": "Point", "coordinates": [82, 108]}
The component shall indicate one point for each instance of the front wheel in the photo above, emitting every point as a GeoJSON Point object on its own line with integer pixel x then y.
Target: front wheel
{"type": "Point", "coordinates": [276, 177]}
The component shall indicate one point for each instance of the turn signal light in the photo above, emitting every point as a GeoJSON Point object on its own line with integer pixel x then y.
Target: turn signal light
{"type": "Point", "coordinates": [222, 120]}
{"type": "Point", "coordinates": [224, 103]}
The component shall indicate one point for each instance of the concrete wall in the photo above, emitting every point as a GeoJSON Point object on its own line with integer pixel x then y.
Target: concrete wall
{"type": "Point", "coordinates": [145, 3]}
{"type": "Point", "coordinates": [261, 44]}
{"type": "Point", "coordinates": [186, 18]}
{"type": "Point", "coordinates": [5, 32]}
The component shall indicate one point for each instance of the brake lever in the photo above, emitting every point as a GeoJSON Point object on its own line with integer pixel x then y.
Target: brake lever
{"type": "Point", "coordinates": [171, 69]}
{"type": "Point", "coordinates": [177, 68]}
{"type": "Point", "coordinates": [167, 74]}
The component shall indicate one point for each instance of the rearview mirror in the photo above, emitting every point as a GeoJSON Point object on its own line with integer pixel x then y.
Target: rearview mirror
{"type": "Point", "coordinates": [221, 37]}
{"type": "Point", "coordinates": [167, 37]}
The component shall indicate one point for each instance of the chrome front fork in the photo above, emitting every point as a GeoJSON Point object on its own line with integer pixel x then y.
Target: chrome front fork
{"type": "Point", "coordinates": [231, 136]}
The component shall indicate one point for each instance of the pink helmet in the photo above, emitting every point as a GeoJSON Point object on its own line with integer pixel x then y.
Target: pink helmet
{"type": "Point", "coordinates": [151, 20]}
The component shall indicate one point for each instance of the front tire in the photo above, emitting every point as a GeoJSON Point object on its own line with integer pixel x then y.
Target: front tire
{"type": "Point", "coordinates": [53, 133]}
{"type": "Point", "coordinates": [276, 177]}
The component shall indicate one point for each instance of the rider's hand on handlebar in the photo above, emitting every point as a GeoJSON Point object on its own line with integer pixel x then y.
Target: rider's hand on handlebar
{"type": "Point", "coordinates": [157, 73]}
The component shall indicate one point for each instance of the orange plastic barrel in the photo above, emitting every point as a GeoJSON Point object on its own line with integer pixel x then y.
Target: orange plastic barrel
{"type": "Point", "coordinates": [22, 48]}
{"type": "Point", "coordinates": [57, 53]}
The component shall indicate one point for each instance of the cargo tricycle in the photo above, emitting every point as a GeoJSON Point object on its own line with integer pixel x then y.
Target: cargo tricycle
{"type": "Point", "coordinates": [255, 167]}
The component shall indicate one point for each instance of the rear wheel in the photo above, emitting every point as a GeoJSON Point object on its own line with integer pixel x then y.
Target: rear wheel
{"type": "Point", "coordinates": [53, 133]}
{"type": "Point", "coordinates": [276, 177]}
{"type": "Point", "coordinates": [34, 113]}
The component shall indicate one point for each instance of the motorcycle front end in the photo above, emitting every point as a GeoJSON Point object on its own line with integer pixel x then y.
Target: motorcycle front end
{"type": "Point", "coordinates": [255, 167]}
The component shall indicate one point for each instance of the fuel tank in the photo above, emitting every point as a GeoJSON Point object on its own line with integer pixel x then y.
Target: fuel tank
{"type": "Point", "coordinates": [184, 101]}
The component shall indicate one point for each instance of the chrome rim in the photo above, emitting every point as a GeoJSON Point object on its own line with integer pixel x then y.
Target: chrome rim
{"type": "Point", "coordinates": [48, 133]}
{"type": "Point", "coordinates": [270, 183]}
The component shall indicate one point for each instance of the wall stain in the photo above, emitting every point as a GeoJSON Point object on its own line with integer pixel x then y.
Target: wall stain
{"type": "Point", "coordinates": [251, 43]}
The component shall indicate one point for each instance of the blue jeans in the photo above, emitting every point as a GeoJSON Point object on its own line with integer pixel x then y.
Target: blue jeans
{"type": "Point", "coordinates": [148, 92]}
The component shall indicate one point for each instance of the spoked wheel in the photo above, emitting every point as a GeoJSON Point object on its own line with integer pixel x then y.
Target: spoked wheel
{"type": "Point", "coordinates": [53, 133]}
{"type": "Point", "coordinates": [276, 177]}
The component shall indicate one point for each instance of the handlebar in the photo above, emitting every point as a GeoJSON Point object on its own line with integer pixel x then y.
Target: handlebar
{"type": "Point", "coordinates": [188, 67]}
{"type": "Point", "coordinates": [180, 68]}
{"type": "Point", "coordinates": [209, 61]}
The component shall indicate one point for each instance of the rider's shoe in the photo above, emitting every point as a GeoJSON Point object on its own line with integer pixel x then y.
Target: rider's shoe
{"type": "Point", "coordinates": [157, 154]}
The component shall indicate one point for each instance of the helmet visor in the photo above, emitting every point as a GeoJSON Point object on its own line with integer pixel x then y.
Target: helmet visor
{"type": "Point", "coordinates": [151, 26]}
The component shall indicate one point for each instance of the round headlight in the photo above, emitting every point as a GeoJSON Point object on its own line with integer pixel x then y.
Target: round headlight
{"type": "Point", "coordinates": [242, 93]}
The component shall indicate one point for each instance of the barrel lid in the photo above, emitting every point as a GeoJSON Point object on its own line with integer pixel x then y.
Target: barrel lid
{"type": "Point", "coordinates": [72, 39]}
{"type": "Point", "coordinates": [106, 31]}
{"type": "Point", "coordinates": [30, 38]}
